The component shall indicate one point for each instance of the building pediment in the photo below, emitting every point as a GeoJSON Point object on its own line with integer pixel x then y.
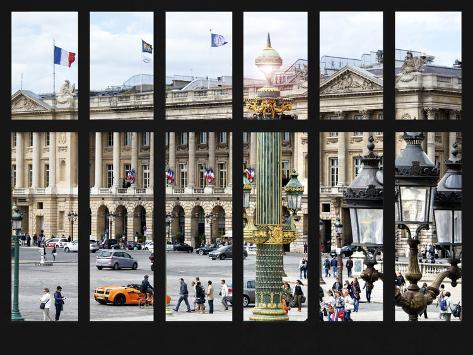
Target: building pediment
{"type": "Point", "coordinates": [350, 80]}
{"type": "Point", "coordinates": [25, 101]}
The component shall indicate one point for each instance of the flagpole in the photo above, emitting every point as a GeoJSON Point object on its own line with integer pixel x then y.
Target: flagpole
{"type": "Point", "coordinates": [54, 75]}
{"type": "Point", "coordinates": [141, 69]}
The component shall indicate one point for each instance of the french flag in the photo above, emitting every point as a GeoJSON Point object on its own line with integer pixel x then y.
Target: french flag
{"type": "Point", "coordinates": [62, 57]}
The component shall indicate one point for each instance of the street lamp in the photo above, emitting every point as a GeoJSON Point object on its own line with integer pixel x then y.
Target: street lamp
{"type": "Point", "coordinates": [16, 219]}
{"type": "Point", "coordinates": [364, 198]}
{"type": "Point", "coordinates": [339, 231]}
{"type": "Point", "coordinates": [169, 219]}
{"type": "Point", "coordinates": [415, 178]}
{"type": "Point", "coordinates": [72, 216]}
{"type": "Point", "coordinates": [448, 204]}
{"type": "Point", "coordinates": [321, 229]}
{"type": "Point", "coordinates": [209, 217]}
{"type": "Point", "coordinates": [246, 191]}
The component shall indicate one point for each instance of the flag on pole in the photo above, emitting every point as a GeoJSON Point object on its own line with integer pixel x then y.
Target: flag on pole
{"type": "Point", "coordinates": [209, 175]}
{"type": "Point", "coordinates": [146, 48]}
{"type": "Point", "coordinates": [62, 57]}
{"type": "Point", "coordinates": [131, 175]}
{"type": "Point", "coordinates": [170, 176]}
{"type": "Point", "coordinates": [217, 40]}
{"type": "Point", "coordinates": [250, 174]}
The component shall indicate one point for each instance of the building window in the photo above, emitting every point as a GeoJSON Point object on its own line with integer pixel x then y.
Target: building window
{"type": "Point", "coordinates": [333, 162]}
{"type": "Point", "coordinates": [357, 117]}
{"type": "Point", "coordinates": [203, 138]}
{"type": "Point", "coordinates": [13, 175]}
{"type": "Point", "coordinates": [356, 166]}
{"type": "Point", "coordinates": [46, 175]}
{"type": "Point", "coordinates": [380, 116]}
{"type": "Point", "coordinates": [110, 139]}
{"type": "Point", "coordinates": [245, 137]}
{"type": "Point", "coordinates": [222, 174]}
{"type": "Point", "coordinates": [39, 205]}
{"type": "Point", "coordinates": [222, 137]}
{"type": "Point", "coordinates": [286, 137]}
{"type": "Point", "coordinates": [286, 175]}
{"type": "Point", "coordinates": [127, 138]}
{"type": "Point", "coordinates": [200, 175]}
{"type": "Point", "coordinates": [31, 139]}
{"type": "Point", "coordinates": [357, 134]}
{"type": "Point", "coordinates": [127, 168]}
{"type": "Point", "coordinates": [166, 139]}
{"type": "Point", "coordinates": [109, 175]}
{"type": "Point", "coordinates": [182, 175]}
{"type": "Point", "coordinates": [333, 134]}
{"type": "Point", "coordinates": [30, 175]}
{"type": "Point", "coordinates": [183, 138]}
{"type": "Point", "coordinates": [46, 139]}
{"type": "Point", "coordinates": [13, 139]}
{"type": "Point", "coordinates": [325, 207]}
{"type": "Point", "coordinates": [145, 181]}
{"type": "Point", "coordinates": [146, 137]}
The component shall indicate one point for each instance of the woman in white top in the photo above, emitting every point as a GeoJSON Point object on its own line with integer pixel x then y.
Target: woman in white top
{"type": "Point", "coordinates": [46, 300]}
{"type": "Point", "coordinates": [349, 305]}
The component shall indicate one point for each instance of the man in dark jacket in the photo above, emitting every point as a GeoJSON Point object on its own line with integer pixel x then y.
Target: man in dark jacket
{"type": "Point", "coordinates": [147, 288]}
{"type": "Point", "coordinates": [327, 267]}
{"type": "Point", "coordinates": [183, 294]}
{"type": "Point", "coordinates": [349, 266]}
{"type": "Point", "coordinates": [58, 302]}
{"type": "Point", "coordinates": [333, 263]}
{"type": "Point", "coordinates": [337, 285]}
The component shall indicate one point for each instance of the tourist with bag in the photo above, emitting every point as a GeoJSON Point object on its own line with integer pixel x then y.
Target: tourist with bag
{"type": "Point", "coordinates": [298, 294]}
{"type": "Point", "coordinates": [45, 304]}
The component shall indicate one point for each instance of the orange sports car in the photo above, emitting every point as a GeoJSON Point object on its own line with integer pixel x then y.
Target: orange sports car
{"type": "Point", "coordinates": [121, 295]}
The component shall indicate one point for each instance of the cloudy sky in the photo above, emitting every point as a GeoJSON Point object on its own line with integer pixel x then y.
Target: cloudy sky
{"type": "Point", "coordinates": [288, 36]}
{"type": "Point", "coordinates": [188, 50]}
{"type": "Point", "coordinates": [115, 46]}
{"type": "Point", "coordinates": [350, 34]}
{"type": "Point", "coordinates": [435, 33]}
{"type": "Point", "coordinates": [32, 49]}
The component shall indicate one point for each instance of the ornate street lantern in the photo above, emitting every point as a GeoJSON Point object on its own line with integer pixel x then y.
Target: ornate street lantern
{"type": "Point", "coordinates": [448, 203]}
{"type": "Point", "coordinates": [338, 227]}
{"type": "Point", "coordinates": [268, 61]}
{"type": "Point", "coordinates": [416, 176]}
{"type": "Point", "coordinates": [246, 192]}
{"type": "Point", "coordinates": [16, 218]}
{"type": "Point", "coordinates": [294, 191]}
{"type": "Point", "coordinates": [364, 198]}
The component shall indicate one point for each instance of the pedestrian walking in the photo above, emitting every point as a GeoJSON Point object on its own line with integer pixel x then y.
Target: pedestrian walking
{"type": "Point", "coordinates": [446, 307]}
{"type": "Point", "coordinates": [298, 294]}
{"type": "Point", "coordinates": [28, 240]}
{"type": "Point", "coordinates": [356, 290]}
{"type": "Point", "coordinates": [305, 247]}
{"type": "Point", "coordinates": [349, 306]}
{"type": "Point", "coordinates": [423, 290]}
{"type": "Point", "coordinates": [210, 296]}
{"type": "Point", "coordinates": [194, 300]}
{"type": "Point", "coordinates": [224, 294]}
{"type": "Point", "coordinates": [183, 294]}
{"type": "Point", "coordinates": [327, 267]}
{"type": "Point", "coordinates": [35, 240]}
{"type": "Point", "coordinates": [329, 306]}
{"type": "Point", "coordinates": [400, 282]}
{"type": "Point", "coordinates": [333, 264]}
{"type": "Point", "coordinates": [58, 302]}
{"type": "Point", "coordinates": [45, 304]}
{"type": "Point", "coordinates": [23, 240]}
{"type": "Point", "coordinates": [54, 253]}
{"type": "Point", "coordinates": [286, 296]}
{"type": "Point", "coordinates": [200, 297]}
{"type": "Point", "coordinates": [349, 265]}
{"type": "Point", "coordinates": [439, 298]}
{"type": "Point", "coordinates": [339, 306]}
{"type": "Point", "coordinates": [369, 288]}
{"type": "Point", "coordinates": [303, 268]}
{"type": "Point", "coordinates": [337, 285]}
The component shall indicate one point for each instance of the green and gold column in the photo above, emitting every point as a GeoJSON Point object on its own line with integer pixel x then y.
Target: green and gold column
{"type": "Point", "coordinates": [268, 233]}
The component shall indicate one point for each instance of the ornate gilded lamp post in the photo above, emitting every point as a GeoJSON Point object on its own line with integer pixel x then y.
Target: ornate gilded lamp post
{"type": "Point", "coordinates": [364, 198]}
{"type": "Point", "coordinates": [416, 177]}
{"type": "Point", "coordinates": [268, 234]}
{"type": "Point", "coordinates": [16, 219]}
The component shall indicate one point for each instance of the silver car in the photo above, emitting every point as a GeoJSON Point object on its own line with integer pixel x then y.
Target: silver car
{"type": "Point", "coordinates": [115, 259]}
{"type": "Point", "coordinates": [249, 292]}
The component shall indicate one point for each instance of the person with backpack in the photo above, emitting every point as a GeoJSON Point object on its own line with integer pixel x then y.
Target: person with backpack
{"type": "Point", "coordinates": [445, 307]}
{"type": "Point", "coordinates": [327, 267]}
{"type": "Point", "coordinates": [439, 298]}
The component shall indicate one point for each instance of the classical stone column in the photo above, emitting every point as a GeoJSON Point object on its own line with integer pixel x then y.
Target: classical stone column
{"type": "Point", "coordinates": [212, 150]}
{"type": "Point", "coordinates": [431, 135]}
{"type": "Point", "coordinates": [342, 152]}
{"type": "Point", "coordinates": [116, 160]}
{"type": "Point", "coordinates": [36, 160]}
{"type": "Point", "coordinates": [253, 150]}
{"type": "Point", "coordinates": [230, 158]}
{"type": "Point", "coordinates": [52, 160]}
{"type": "Point", "coordinates": [454, 114]}
{"type": "Point", "coordinates": [191, 171]}
{"type": "Point", "coordinates": [151, 160]}
{"type": "Point", "coordinates": [20, 162]}
{"type": "Point", "coordinates": [134, 156]}
{"type": "Point", "coordinates": [172, 151]}
{"type": "Point", "coordinates": [98, 160]}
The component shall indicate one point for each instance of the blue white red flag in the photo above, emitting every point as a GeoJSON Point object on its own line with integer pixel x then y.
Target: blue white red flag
{"type": "Point", "coordinates": [62, 57]}
{"type": "Point", "coordinates": [217, 40]}
{"type": "Point", "coordinates": [131, 175]}
{"type": "Point", "coordinates": [209, 175]}
{"type": "Point", "coordinates": [170, 176]}
{"type": "Point", "coordinates": [250, 174]}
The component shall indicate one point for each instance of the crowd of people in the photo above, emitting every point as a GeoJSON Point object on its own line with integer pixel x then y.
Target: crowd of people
{"type": "Point", "coordinates": [341, 301]}
{"type": "Point", "coordinates": [38, 240]}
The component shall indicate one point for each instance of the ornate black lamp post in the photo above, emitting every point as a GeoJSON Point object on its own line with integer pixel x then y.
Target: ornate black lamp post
{"type": "Point", "coordinates": [364, 198]}
{"type": "Point", "coordinates": [16, 219]}
{"type": "Point", "coordinates": [72, 216]}
{"type": "Point", "coordinates": [416, 176]}
{"type": "Point", "coordinates": [321, 230]}
{"type": "Point", "coordinates": [209, 217]}
{"type": "Point", "coordinates": [339, 231]}
{"type": "Point", "coordinates": [169, 219]}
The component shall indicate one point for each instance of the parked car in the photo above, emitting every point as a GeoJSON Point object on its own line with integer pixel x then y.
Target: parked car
{"type": "Point", "coordinates": [118, 295]}
{"type": "Point", "coordinates": [56, 242]}
{"type": "Point", "coordinates": [115, 259]}
{"type": "Point", "coordinates": [249, 292]}
{"type": "Point", "coordinates": [225, 252]}
{"type": "Point", "coordinates": [93, 246]}
{"type": "Point", "coordinates": [183, 247]}
{"type": "Point", "coordinates": [149, 246]}
{"type": "Point", "coordinates": [151, 258]}
{"type": "Point", "coordinates": [134, 245]}
{"type": "Point", "coordinates": [206, 249]}
{"type": "Point", "coordinates": [109, 244]}
{"type": "Point", "coordinates": [169, 247]}
{"type": "Point", "coordinates": [74, 246]}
